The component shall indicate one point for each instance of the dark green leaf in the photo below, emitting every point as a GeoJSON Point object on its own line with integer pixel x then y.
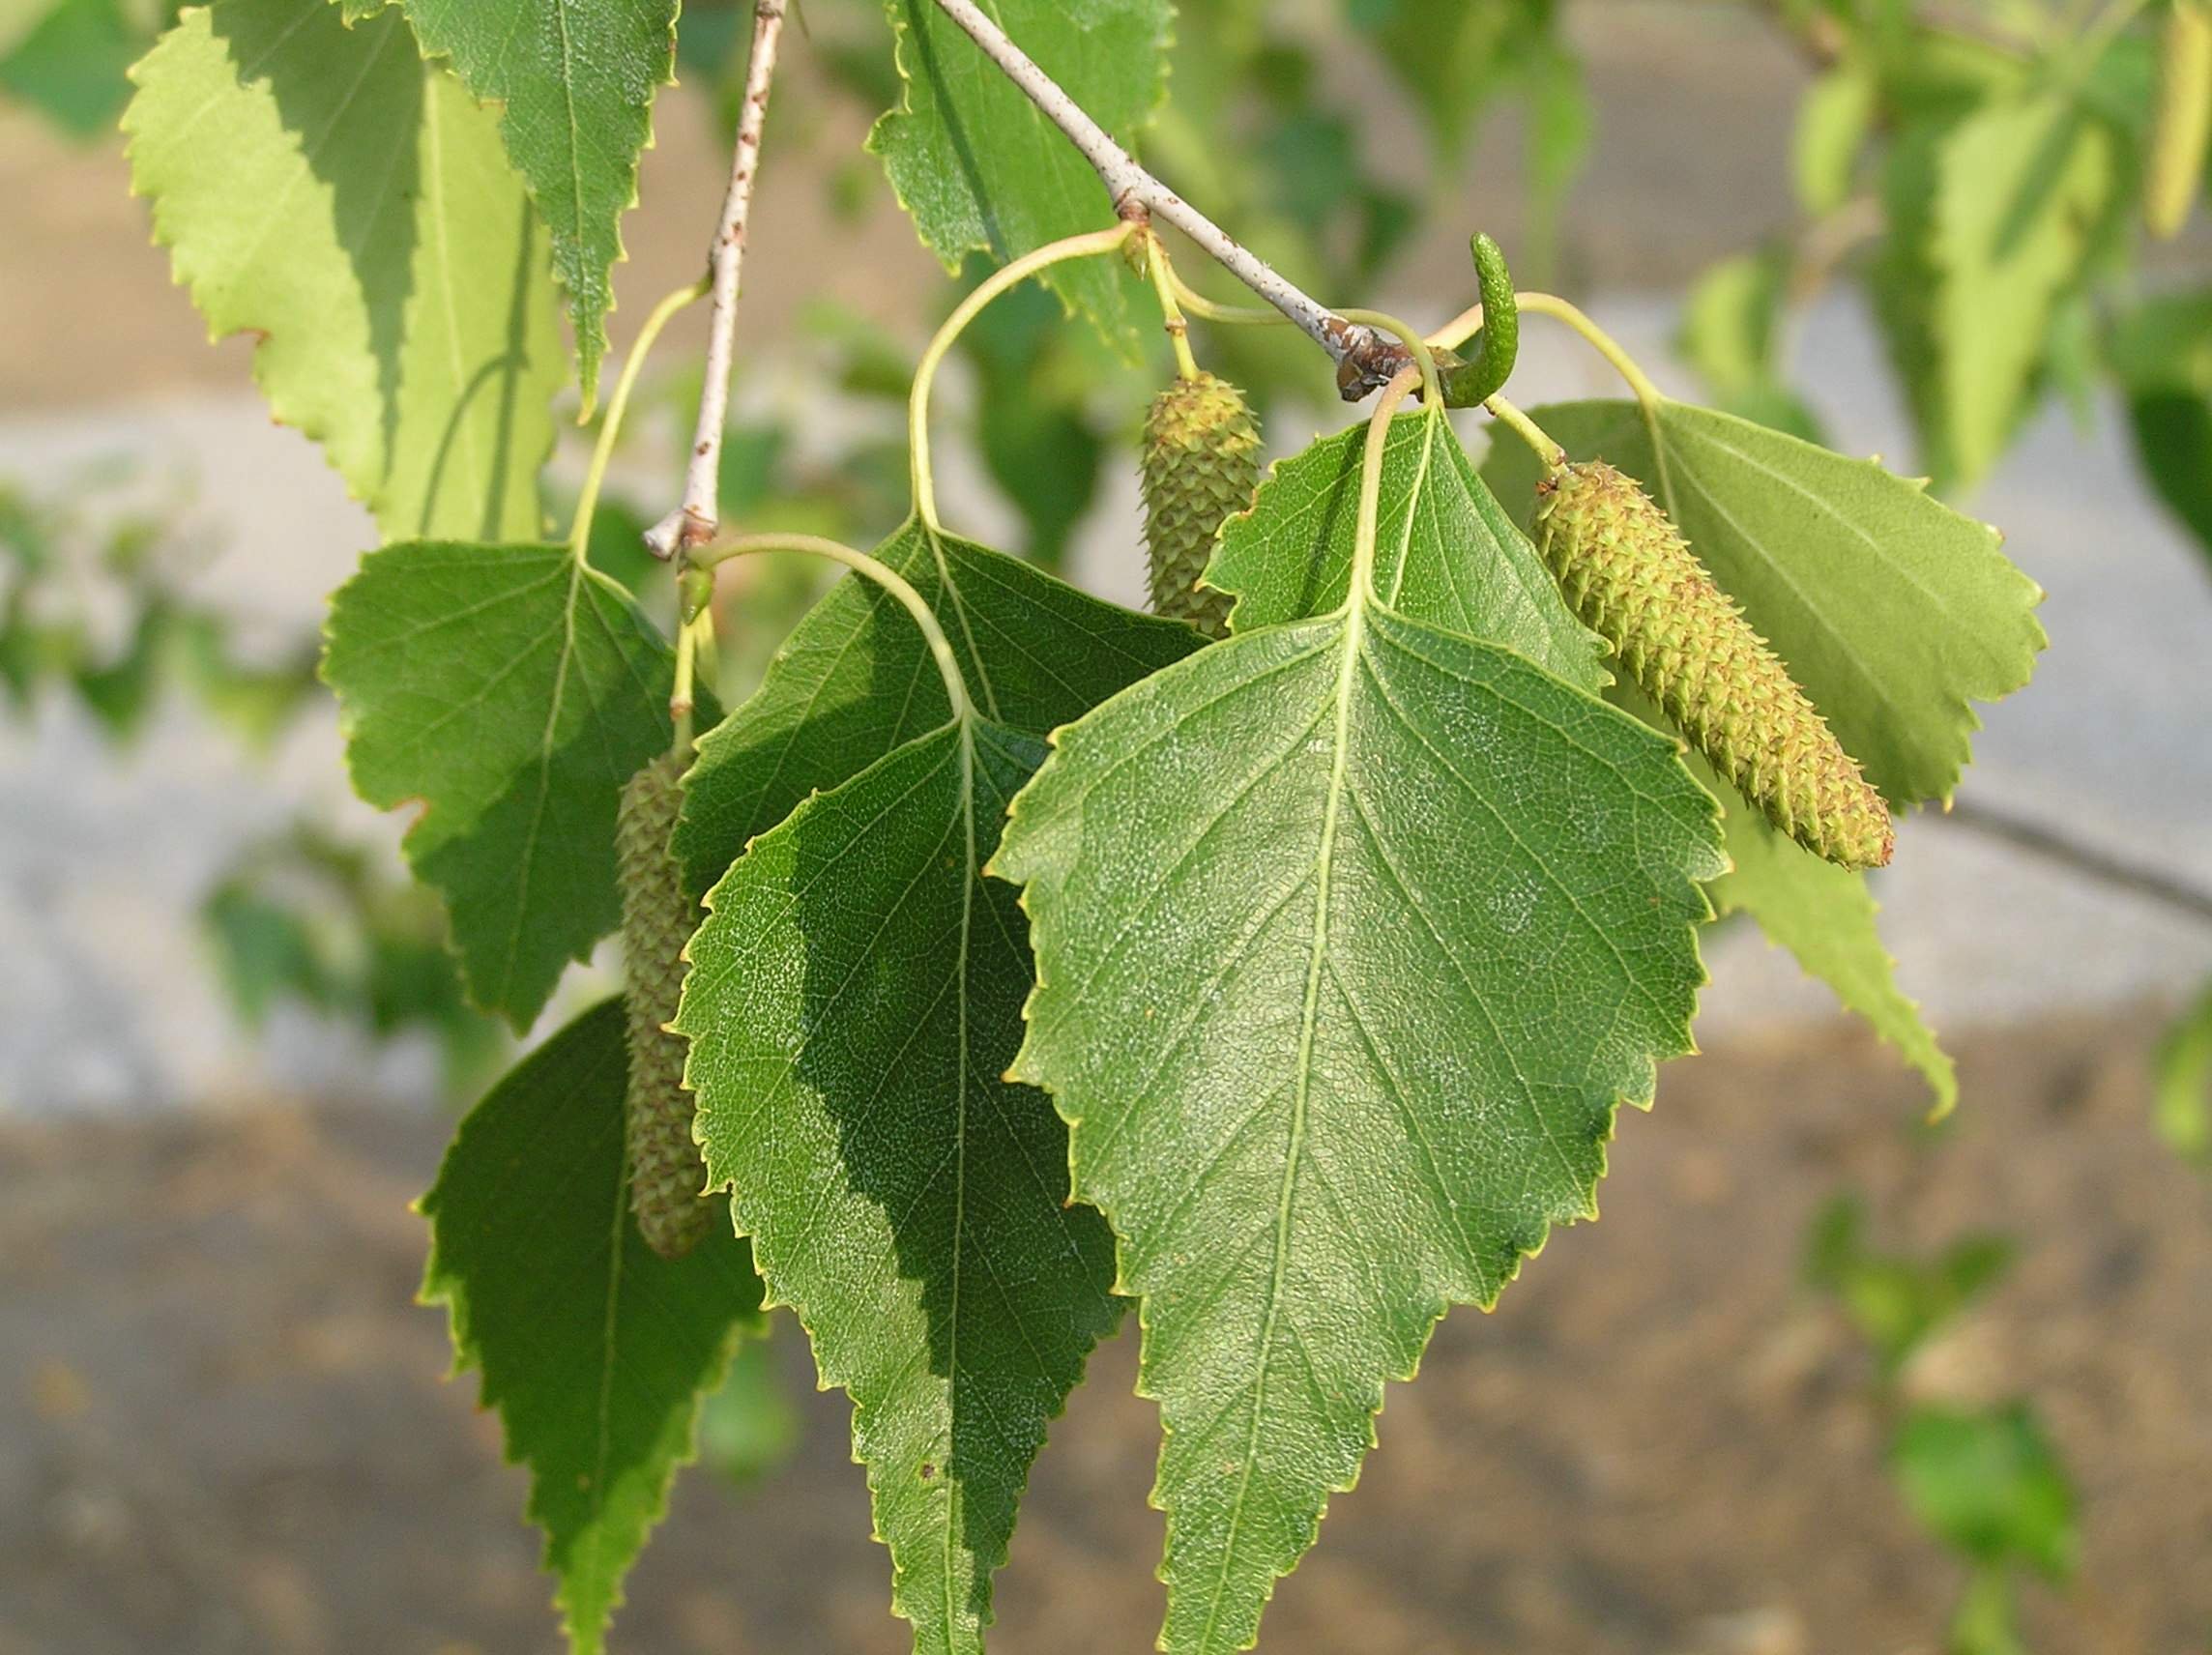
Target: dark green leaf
{"type": "Point", "coordinates": [595, 1350]}
{"type": "Point", "coordinates": [1987, 1485]}
{"type": "Point", "coordinates": [855, 998]}
{"type": "Point", "coordinates": [511, 690]}
{"type": "Point", "coordinates": [854, 681]}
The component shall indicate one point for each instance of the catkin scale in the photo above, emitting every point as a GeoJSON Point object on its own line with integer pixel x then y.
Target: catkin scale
{"type": "Point", "coordinates": [2181, 120]}
{"type": "Point", "coordinates": [665, 1171]}
{"type": "Point", "coordinates": [1627, 571]}
{"type": "Point", "coordinates": [1200, 465]}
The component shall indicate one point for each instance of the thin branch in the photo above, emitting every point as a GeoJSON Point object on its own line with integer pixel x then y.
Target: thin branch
{"type": "Point", "coordinates": [2040, 839]}
{"type": "Point", "coordinates": [1366, 359]}
{"type": "Point", "coordinates": [694, 522]}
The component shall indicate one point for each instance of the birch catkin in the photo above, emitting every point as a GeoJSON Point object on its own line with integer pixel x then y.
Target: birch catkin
{"type": "Point", "coordinates": [1627, 571]}
{"type": "Point", "coordinates": [1200, 465]}
{"type": "Point", "coordinates": [666, 1173]}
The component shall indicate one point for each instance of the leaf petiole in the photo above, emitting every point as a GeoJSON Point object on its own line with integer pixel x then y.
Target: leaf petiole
{"type": "Point", "coordinates": [1362, 582]}
{"type": "Point", "coordinates": [1171, 313]}
{"type": "Point", "coordinates": [1087, 246]}
{"type": "Point", "coordinates": [1547, 447]}
{"type": "Point", "coordinates": [610, 428]}
{"type": "Point", "coordinates": [890, 579]}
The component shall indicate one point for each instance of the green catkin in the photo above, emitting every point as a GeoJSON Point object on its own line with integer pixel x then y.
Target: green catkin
{"type": "Point", "coordinates": [1627, 571]}
{"type": "Point", "coordinates": [1201, 466]}
{"type": "Point", "coordinates": [665, 1172]}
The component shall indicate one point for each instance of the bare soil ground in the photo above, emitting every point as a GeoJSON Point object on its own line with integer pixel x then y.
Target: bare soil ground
{"type": "Point", "coordinates": [224, 1427]}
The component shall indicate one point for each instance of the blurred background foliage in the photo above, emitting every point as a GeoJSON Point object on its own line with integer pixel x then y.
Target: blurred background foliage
{"type": "Point", "coordinates": [1977, 169]}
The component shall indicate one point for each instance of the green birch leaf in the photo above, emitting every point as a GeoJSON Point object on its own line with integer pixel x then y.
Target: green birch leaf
{"type": "Point", "coordinates": [1893, 612]}
{"type": "Point", "coordinates": [574, 86]}
{"type": "Point", "coordinates": [981, 171]}
{"type": "Point", "coordinates": [1351, 934]}
{"type": "Point", "coordinates": [1833, 119]}
{"type": "Point", "coordinates": [2021, 188]}
{"type": "Point", "coordinates": [511, 690]}
{"type": "Point", "coordinates": [72, 64]}
{"type": "Point", "coordinates": [319, 186]}
{"type": "Point", "coordinates": [1824, 915]}
{"type": "Point", "coordinates": [2162, 352]}
{"type": "Point", "coordinates": [2181, 1084]}
{"type": "Point", "coordinates": [1450, 552]}
{"type": "Point", "coordinates": [595, 1350]}
{"type": "Point", "coordinates": [855, 998]}
{"type": "Point", "coordinates": [1902, 285]}
{"type": "Point", "coordinates": [855, 680]}
{"type": "Point", "coordinates": [1989, 1485]}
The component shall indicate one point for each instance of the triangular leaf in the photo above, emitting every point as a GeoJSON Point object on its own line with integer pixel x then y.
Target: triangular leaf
{"type": "Point", "coordinates": [1824, 915]}
{"type": "Point", "coordinates": [1351, 934]}
{"type": "Point", "coordinates": [574, 87]}
{"type": "Point", "coordinates": [854, 997]}
{"type": "Point", "coordinates": [595, 1350]}
{"type": "Point", "coordinates": [319, 186]}
{"type": "Point", "coordinates": [1894, 611]}
{"type": "Point", "coordinates": [981, 170]}
{"type": "Point", "coordinates": [855, 680]}
{"type": "Point", "coordinates": [1446, 547]}
{"type": "Point", "coordinates": [511, 690]}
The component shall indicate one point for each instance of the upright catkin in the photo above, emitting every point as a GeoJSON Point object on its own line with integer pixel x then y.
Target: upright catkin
{"type": "Point", "coordinates": [1627, 571]}
{"type": "Point", "coordinates": [665, 1171]}
{"type": "Point", "coordinates": [1201, 466]}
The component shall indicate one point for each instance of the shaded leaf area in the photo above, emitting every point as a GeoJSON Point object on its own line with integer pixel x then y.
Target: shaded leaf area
{"type": "Point", "coordinates": [855, 680]}
{"type": "Point", "coordinates": [855, 998]}
{"type": "Point", "coordinates": [1893, 612]}
{"type": "Point", "coordinates": [510, 690]}
{"type": "Point", "coordinates": [1351, 936]}
{"type": "Point", "coordinates": [981, 170]}
{"type": "Point", "coordinates": [2162, 352]}
{"type": "Point", "coordinates": [321, 186]}
{"type": "Point", "coordinates": [574, 84]}
{"type": "Point", "coordinates": [1449, 553]}
{"type": "Point", "coordinates": [595, 1350]}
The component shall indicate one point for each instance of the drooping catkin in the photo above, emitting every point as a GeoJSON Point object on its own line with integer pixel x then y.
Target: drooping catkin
{"type": "Point", "coordinates": [1628, 573]}
{"type": "Point", "coordinates": [665, 1171]}
{"type": "Point", "coordinates": [1201, 466]}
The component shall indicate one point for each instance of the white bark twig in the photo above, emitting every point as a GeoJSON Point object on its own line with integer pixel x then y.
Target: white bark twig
{"type": "Point", "coordinates": [1366, 359]}
{"type": "Point", "coordinates": [695, 522]}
